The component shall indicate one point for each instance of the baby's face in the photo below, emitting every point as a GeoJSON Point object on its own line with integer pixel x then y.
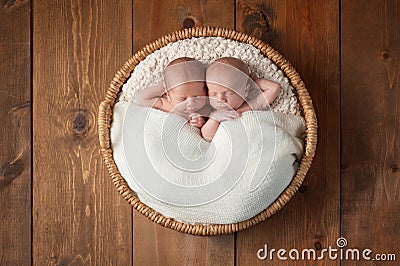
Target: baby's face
{"type": "Point", "coordinates": [188, 97]}
{"type": "Point", "coordinates": [222, 98]}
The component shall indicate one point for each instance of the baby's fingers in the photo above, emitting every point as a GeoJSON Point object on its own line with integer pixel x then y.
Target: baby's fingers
{"type": "Point", "coordinates": [195, 121]}
{"type": "Point", "coordinates": [194, 115]}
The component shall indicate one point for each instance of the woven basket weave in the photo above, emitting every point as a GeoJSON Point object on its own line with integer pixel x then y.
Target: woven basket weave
{"type": "Point", "coordinates": [106, 110]}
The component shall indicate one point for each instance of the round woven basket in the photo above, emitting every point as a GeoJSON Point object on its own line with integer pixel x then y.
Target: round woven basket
{"type": "Point", "coordinates": [106, 110]}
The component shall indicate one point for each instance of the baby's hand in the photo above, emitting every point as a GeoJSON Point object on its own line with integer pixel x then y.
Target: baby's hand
{"type": "Point", "coordinates": [223, 115]}
{"type": "Point", "coordinates": [196, 120]}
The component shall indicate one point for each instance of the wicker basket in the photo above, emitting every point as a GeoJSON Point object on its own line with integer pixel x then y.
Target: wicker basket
{"type": "Point", "coordinates": [106, 110]}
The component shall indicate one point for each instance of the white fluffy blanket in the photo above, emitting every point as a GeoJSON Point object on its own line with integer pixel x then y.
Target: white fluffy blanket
{"type": "Point", "coordinates": [208, 49]}
{"type": "Point", "coordinates": [249, 163]}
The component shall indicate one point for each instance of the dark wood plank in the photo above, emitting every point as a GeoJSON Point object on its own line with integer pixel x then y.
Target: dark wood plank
{"type": "Point", "coordinates": [78, 215]}
{"type": "Point", "coordinates": [15, 133]}
{"type": "Point", "coordinates": [157, 245]}
{"type": "Point", "coordinates": [307, 34]}
{"type": "Point", "coordinates": [153, 244]}
{"type": "Point", "coordinates": [153, 19]}
{"type": "Point", "coordinates": [370, 126]}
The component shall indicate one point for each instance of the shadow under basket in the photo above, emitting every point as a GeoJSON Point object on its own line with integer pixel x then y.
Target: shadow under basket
{"type": "Point", "coordinates": [106, 112]}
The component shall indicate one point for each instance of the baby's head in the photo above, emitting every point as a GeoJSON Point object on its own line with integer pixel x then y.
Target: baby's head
{"type": "Point", "coordinates": [227, 80]}
{"type": "Point", "coordinates": [184, 81]}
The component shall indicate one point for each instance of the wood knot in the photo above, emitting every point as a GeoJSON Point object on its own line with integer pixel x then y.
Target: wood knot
{"type": "Point", "coordinates": [256, 19]}
{"type": "Point", "coordinates": [302, 189]}
{"type": "Point", "coordinates": [8, 3]}
{"type": "Point", "coordinates": [11, 4]}
{"type": "Point", "coordinates": [10, 171]}
{"type": "Point", "coordinates": [188, 23]}
{"type": "Point", "coordinates": [386, 55]}
{"type": "Point", "coordinates": [318, 245]}
{"type": "Point", "coordinates": [394, 168]}
{"type": "Point", "coordinates": [80, 123]}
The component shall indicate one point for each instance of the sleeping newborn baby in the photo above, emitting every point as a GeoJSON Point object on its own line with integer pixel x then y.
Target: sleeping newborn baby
{"type": "Point", "coordinates": [183, 91]}
{"type": "Point", "coordinates": [229, 83]}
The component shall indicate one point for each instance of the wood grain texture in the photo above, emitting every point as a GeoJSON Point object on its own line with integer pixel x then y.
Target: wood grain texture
{"type": "Point", "coordinates": [153, 19]}
{"type": "Point", "coordinates": [154, 244]}
{"type": "Point", "coordinates": [157, 245]}
{"type": "Point", "coordinates": [370, 126]}
{"type": "Point", "coordinates": [15, 133]}
{"type": "Point", "coordinates": [306, 34]}
{"type": "Point", "coordinates": [79, 218]}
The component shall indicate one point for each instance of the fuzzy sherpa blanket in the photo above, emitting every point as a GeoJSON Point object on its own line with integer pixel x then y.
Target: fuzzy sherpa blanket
{"type": "Point", "coordinates": [206, 50]}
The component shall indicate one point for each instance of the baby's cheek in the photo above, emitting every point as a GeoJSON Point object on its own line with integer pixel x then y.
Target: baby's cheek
{"type": "Point", "coordinates": [212, 100]}
{"type": "Point", "coordinates": [202, 101]}
{"type": "Point", "coordinates": [214, 103]}
{"type": "Point", "coordinates": [235, 100]}
{"type": "Point", "coordinates": [179, 105]}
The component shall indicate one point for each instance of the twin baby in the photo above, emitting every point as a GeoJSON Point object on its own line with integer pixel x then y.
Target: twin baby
{"type": "Point", "coordinates": [219, 92]}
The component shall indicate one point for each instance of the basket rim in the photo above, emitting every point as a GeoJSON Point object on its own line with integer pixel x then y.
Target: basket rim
{"type": "Point", "coordinates": [105, 115]}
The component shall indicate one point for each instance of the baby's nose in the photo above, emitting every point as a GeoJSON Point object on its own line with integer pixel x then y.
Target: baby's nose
{"type": "Point", "coordinates": [221, 98]}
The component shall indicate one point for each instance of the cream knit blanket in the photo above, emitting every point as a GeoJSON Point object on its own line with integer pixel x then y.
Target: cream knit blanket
{"type": "Point", "coordinates": [250, 161]}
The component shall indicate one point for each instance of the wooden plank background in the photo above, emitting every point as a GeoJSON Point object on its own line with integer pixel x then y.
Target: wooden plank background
{"type": "Point", "coordinates": [15, 133]}
{"type": "Point", "coordinates": [78, 216]}
{"type": "Point", "coordinates": [58, 205]}
{"type": "Point", "coordinates": [371, 102]}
